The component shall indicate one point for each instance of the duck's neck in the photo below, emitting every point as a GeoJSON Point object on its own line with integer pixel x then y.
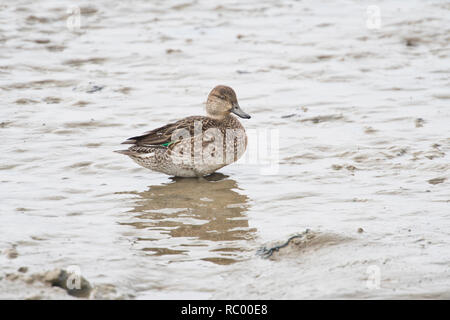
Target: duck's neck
{"type": "Point", "coordinates": [221, 117]}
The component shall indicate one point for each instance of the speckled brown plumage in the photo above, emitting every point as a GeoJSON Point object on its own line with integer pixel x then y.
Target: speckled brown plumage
{"type": "Point", "coordinates": [175, 149]}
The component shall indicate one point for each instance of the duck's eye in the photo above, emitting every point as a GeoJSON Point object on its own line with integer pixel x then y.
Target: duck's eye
{"type": "Point", "coordinates": [220, 96]}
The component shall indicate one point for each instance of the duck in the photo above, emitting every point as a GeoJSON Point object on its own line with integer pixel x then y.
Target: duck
{"type": "Point", "coordinates": [195, 146]}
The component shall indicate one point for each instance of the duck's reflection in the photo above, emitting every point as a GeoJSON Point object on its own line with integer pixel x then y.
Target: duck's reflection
{"type": "Point", "coordinates": [199, 211]}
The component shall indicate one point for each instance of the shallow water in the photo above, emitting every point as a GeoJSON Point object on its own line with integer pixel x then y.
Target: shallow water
{"type": "Point", "coordinates": [363, 122]}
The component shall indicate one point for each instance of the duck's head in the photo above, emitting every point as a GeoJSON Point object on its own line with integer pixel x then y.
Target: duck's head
{"type": "Point", "coordinates": [221, 102]}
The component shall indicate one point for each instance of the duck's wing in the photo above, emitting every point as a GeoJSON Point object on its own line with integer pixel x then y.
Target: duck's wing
{"type": "Point", "coordinates": [163, 135]}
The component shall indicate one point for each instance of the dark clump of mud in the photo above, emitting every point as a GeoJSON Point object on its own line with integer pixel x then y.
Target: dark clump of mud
{"type": "Point", "coordinates": [436, 180]}
{"type": "Point", "coordinates": [75, 285]}
{"type": "Point", "coordinates": [325, 118]}
{"type": "Point", "coordinates": [11, 253]}
{"type": "Point", "coordinates": [300, 244]}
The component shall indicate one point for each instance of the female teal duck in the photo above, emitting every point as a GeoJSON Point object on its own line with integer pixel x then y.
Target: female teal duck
{"type": "Point", "coordinates": [194, 146]}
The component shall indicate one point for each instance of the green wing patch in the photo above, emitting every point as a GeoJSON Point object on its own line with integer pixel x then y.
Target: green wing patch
{"type": "Point", "coordinates": [167, 143]}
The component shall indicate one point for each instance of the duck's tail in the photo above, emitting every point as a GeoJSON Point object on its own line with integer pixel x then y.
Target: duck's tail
{"type": "Point", "coordinates": [125, 152]}
{"type": "Point", "coordinates": [145, 151]}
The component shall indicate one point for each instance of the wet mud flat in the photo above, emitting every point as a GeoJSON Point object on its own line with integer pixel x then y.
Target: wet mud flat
{"type": "Point", "coordinates": [363, 160]}
{"type": "Point", "coordinates": [290, 271]}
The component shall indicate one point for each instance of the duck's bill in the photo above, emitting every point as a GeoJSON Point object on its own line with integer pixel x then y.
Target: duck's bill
{"type": "Point", "coordinates": [239, 112]}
